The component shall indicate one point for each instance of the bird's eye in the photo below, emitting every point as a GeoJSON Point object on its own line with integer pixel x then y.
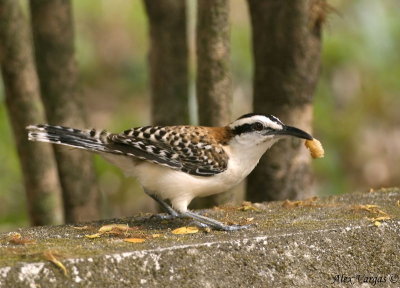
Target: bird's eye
{"type": "Point", "coordinates": [258, 126]}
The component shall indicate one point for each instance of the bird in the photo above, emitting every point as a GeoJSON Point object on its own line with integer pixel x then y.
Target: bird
{"type": "Point", "coordinates": [175, 164]}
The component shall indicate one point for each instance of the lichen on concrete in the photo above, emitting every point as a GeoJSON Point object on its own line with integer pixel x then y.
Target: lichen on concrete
{"type": "Point", "coordinates": [292, 244]}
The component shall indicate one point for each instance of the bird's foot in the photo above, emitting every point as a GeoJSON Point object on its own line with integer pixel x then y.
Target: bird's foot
{"type": "Point", "coordinates": [163, 216]}
{"type": "Point", "coordinates": [203, 222]}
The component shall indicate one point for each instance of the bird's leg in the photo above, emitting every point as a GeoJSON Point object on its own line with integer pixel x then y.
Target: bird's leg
{"type": "Point", "coordinates": [172, 213]}
{"type": "Point", "coordinates": [199, 220]}
{"type": "Point", "coordinates": [209, 222]}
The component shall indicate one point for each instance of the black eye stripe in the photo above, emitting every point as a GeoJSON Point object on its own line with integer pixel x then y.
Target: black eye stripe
{"type": "Point", "coordinates": [246, 128]}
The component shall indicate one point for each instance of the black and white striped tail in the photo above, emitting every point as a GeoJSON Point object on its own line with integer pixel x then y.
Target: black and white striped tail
{"type": "Point", "coordinates": [84, 139]}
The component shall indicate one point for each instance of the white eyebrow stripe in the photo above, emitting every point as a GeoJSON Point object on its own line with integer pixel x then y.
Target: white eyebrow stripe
{"type": "Point", "coordinates": [276, 118]}
{"type": "Point", "coordinates": [252, 119]}
{"type": "Point", "coordinates": [273, 124]}
{"type": "Point", "coordinates": [257, 118]}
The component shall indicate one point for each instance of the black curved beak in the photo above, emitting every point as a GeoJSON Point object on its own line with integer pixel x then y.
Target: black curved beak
{"type": "Point", "coordinates": [293, 131]}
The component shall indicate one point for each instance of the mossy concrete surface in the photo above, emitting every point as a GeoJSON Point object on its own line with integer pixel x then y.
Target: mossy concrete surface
{"type": "Point", "coordinates": [345, 241]}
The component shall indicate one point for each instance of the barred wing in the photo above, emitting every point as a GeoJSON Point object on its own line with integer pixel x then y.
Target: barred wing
{"type": "Point", "coordinates": [172, 146]}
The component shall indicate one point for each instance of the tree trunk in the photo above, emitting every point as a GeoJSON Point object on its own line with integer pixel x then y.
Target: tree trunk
{"type": "Point", "coordinates": [54, 48]}
{"type": "Point", "coordinates": [214, 89]}
{"type": "Point", "coordinates": [286, 46]}
{"type": "Point", "coordinates": [39, 169]}
{"type": "Point", "coordinates": [168, 60]}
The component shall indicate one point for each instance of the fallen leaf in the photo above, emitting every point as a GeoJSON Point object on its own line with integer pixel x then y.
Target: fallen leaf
{"type": "Point", "coordinates": [381, 218]}
{"type": "Point", "coordinates": [110, 227]}
{"type": "Point", "coordinates": [16, 238]}
{"type": "Point", "coordinates": [378, 214]}
{"type": "Point", "coordinates": [155, 235]}
{"type": "Point", "coordinates": [81, 227]}
{"type": "Point", "coordinates": [134, 240]}
{"type": "Point", "coordinates": [185, 230]}
{"type": "Point", "coordinates": [97, 235]}
{"type": "Point", "coordinates": [290, 204]}
{"type": "Point", "coordinates": [398, 203]}
{"type": "Point", "coordinates": [50, 256]}
{"type": "Point", "coordinates": [247, 206]}
{"type": "Point", "coordinates": [249, 219]}
{"type": "Point", "coordinates": [369, 207]}
{"type": "Point", "coordinates": [377, 223]}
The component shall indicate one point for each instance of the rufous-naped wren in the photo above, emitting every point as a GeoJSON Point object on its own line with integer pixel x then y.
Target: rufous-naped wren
{"type": "Point", "coordinates": [179, 163]}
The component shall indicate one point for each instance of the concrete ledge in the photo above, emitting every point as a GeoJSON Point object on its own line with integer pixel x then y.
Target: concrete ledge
{"type": "Point", "coordinates": [327, 242]}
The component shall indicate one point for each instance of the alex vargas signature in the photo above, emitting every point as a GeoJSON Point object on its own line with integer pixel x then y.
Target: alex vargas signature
{"type": "Point", "coordinates": [364, 278]}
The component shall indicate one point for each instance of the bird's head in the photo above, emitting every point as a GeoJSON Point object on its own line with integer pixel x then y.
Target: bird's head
{"type": "Point", "coordinates": [258, 129]}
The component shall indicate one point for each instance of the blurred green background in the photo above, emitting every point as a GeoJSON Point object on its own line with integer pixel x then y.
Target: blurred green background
{"type": "Point", "coordinates": [357, 102]}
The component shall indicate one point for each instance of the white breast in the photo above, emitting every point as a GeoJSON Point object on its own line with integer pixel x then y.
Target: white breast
{"type": "Point", "coordinates": [179, 187]}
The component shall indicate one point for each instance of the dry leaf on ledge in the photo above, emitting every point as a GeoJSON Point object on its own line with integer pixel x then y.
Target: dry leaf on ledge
{"type": "Point", "coordinates": [49, 255]}
{"type": "Point", "coordinates": [134, 240]}
{"type": "Point", "coordinates": [16, 238]}
{"type": "Point", "coordinates": [97, 235]}
{"type": "Point", "coordinates": [185, 230]}
{"type": "Point", "coordinates": [110, 227]}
